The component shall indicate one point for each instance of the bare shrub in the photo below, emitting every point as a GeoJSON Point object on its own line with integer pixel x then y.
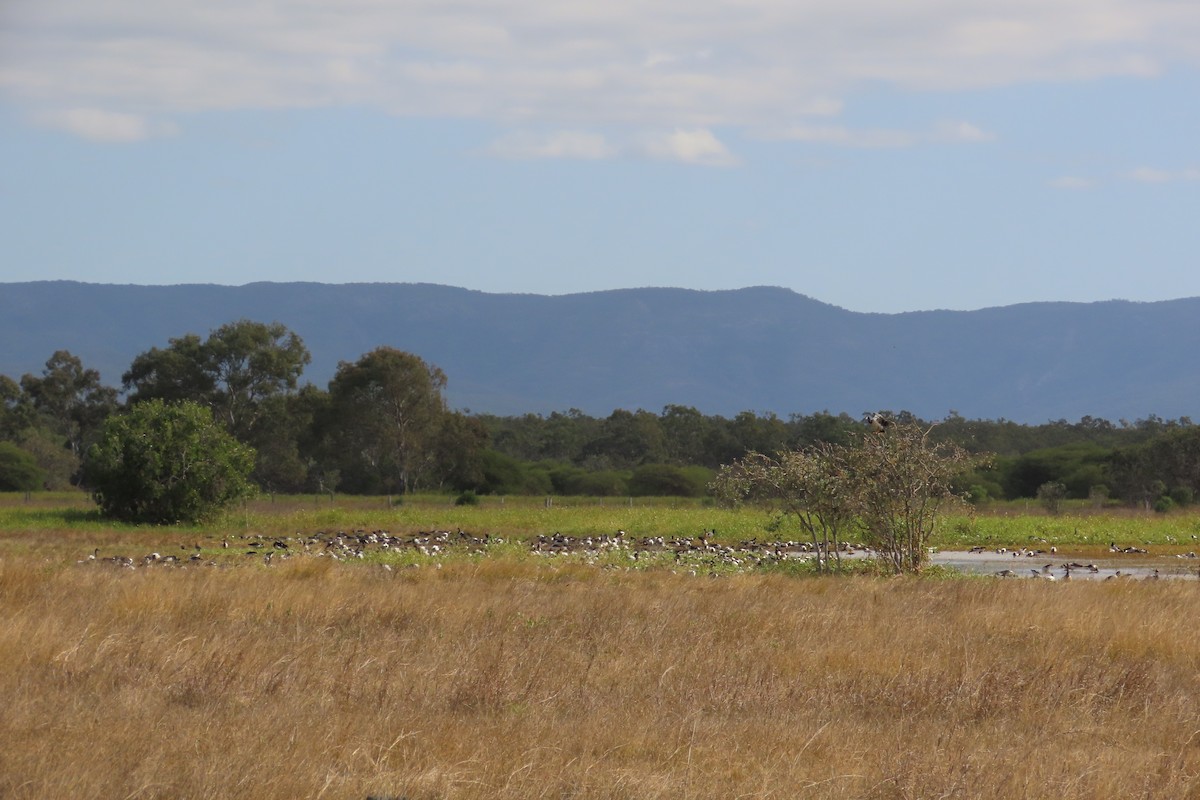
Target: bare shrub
{"type": "Point", "coordinates": [890, 487]}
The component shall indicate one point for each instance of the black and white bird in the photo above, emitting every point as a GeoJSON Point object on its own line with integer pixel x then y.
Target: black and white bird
{"type": "Point", "coordinates": [878, 422]}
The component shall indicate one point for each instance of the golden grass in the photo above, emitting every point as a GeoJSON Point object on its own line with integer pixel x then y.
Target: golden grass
{"type": "Point", "coordinates": [509, 679]}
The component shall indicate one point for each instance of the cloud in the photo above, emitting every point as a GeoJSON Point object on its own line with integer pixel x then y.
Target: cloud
{"type": "Point", "coordinates": [846, 137]}
{"type": "Point", "coordinates": [690, 146]}
{"type": "Point", "coordinates": [102, 126]}
{"type": "Point", "coordinates": [687, 64]}
{"type": "Point", "coordinates": [561, 144]}
{"type": "Point", "coordinates": [875, 138]}
{"type": "Point", "coordinates": [962, 131]}
{"type": "Point", "coordinates": [697, 146]}
{"type": "Point", "coordinates": [1154, 175]}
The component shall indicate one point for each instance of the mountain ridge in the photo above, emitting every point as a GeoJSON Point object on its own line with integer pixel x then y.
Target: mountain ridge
{"type": "Point", "coordinates": [758, 348]}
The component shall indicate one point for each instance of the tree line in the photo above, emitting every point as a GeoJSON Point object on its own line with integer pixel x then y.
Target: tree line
{"type": "Point", "coordinates": [382, 426]}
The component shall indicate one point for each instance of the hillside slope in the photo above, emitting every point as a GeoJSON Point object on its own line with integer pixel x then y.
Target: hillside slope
{"type": "Point", "coordinates": [761, 349]}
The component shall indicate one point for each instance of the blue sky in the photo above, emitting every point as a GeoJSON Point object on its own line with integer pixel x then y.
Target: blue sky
{"type": "Point", "coordinates": [878, 156]}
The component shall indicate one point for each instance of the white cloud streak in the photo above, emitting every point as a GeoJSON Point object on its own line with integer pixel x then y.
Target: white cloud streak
{"type": "Point", "coordinates": [560, 144]}
{"type": "Point", "coordinates": [846, 137]}
{"type": "Point", "coordinates": [100, 125]}
{"type": "Point", "coordinates": [668, 65]}
{"type": "Point", "coordinates": [881, 138]}
{"type": "Point", "coordinates": [696, 146]}
{"type": "Point", "coordinates": [1155, 175]}
{"type": "Point", "coordinates": [962, 131]}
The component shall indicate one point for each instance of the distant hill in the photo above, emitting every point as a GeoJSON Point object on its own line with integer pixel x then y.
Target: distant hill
{"type": "Point", "coordinates": [760, 349]}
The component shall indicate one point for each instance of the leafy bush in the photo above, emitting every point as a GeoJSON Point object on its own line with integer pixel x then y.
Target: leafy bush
{"type": "Point", "coordinates": [604, 483]}
{"type": "Point", "coordinates": [1051, 495]}
{"type": "Point", "coordinates": [164, 463]}
{"type": "Point", "coordinates": [1164, 504]}
{"type": "Point", "coordinates": [467, 498]}
{"type": "Point", "coordinates": [563, 477]}
{"type": "Point", "coordinates": [979, 485]}
{"type": "Point", "coordinates": [59, 465]}
{"type": "Point", "coordinates": [1080, 481]}
{"type": "Point", "coordinates": [1183, 496]}
{"type": "Point", "coordinates": [537, 480]}
{"type": "Point", "coordinates": [502, 474]}
{"type": "Point", "coordinates": [19, 471]}
{"type": "Point", "coordinates": [1076, 466]}
{"type": "Point", "coordinates": [664, 480]}
{"type": "Point", "coordinates": [977, 494]}
{"type": "Point", "coordinates": [888, 489]}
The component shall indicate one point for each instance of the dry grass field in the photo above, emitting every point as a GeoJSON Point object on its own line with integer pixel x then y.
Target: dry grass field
{"type": "Point", "coordinates": [510, 678]}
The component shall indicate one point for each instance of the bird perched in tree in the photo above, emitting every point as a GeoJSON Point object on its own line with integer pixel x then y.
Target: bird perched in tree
{"type": "Point", "coordinates": [878, 422]}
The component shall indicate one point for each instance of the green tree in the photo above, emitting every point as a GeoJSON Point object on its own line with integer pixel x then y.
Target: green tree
{"type": "Point", "coordinates": [60, 467]}
{"type": "Point", "coordinates": [560, 437]}
{"type": "Point", "coordinates": [566, 434]}
{"type": "Point", "coordinates": [515, 437]}
{"type": "Point", "coordinates": [811, 486]}
{"type": "Point", "coordinates": [759, 434]}
{"type": "Point", "coordinates": [720, 445]}
{"type": "Point", "coordinates": [280, 465]}
{"type": "Point", "coordinates": [669, 480]}
{"type": "Point", "coordinates": [601, 483]}
{"type": "Point", "coordinates": [385, 414]}
{"type": "Point", "coordinates": [14, 409]}
{"type": "Point", "coordinates": [500, 474]}
{"type": "Point", "coordinates": [903, 479]}
{"type": "Point", "coordinates": [821, 427]}
{"type": "Point", "coordinates": [164, 463]}
{"type": "Point", "coordinates": [180, 372]}
{"type": "Point", "coordinates": [251, 363]}
{"type": "Point", "coordinates": [627, 439]}
{"type": "Point", "coordinates": [235, 371]}
{"type": "Point", "coordinates": [1051, 495]}
{"type": "Point", "coordinates": [70, 400]}
{"type": "Point", "coordinates": [685, 431]}
{"type": "Point", "coordinates": [1134, 476]}
{"type": "Point", "coordinates": [458, 449]}
{"type": "Point", "coordinates": [1168, 462]}
{"type": "Point", "coordinates": [19, 470]}
{"type": "Point", "coordinates": [1077, 465]}
{"type": "Point", "coordinates": [247, 373]}
{"type": "Point", "coordinates": [891, 487]}
{"type": "Point", "coordinates": [1176, 455]}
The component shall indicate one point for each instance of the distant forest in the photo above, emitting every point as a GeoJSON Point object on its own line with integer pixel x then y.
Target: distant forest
{"type": "Point", "coordinates": [382, 426]}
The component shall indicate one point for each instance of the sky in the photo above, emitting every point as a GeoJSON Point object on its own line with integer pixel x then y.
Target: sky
{"type": "Point", "coordinates": [875, 155]}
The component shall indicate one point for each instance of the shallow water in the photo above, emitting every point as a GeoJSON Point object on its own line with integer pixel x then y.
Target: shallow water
{"type": "Point", "coordinates": [1054, 566]}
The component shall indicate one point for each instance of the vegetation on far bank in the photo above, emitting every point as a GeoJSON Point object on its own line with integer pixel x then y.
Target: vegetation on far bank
{"type": "Point", "coordinates": [68, 521]}
{"type": "Point", "coordinates": [382, 426]}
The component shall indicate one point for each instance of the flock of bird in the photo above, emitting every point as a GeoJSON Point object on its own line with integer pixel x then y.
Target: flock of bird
{"type": "Point", "coordinates": [341, 545]}
{"type": "Point", "coordinates": [695, 552]}
{"type": "Point", "coordinates": [350, 545]}
{"type": "Point", "coordinates": [1047, 572]}
{"type": "Point", "coordinates": [337, 545]}
{"type": "Point", "coordinates": [702, 547]}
